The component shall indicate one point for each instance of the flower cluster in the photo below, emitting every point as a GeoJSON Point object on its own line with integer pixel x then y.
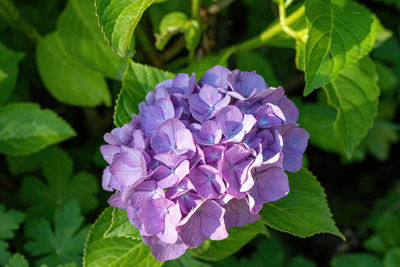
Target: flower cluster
{"type": "Point", "coordinates": [202, 157]}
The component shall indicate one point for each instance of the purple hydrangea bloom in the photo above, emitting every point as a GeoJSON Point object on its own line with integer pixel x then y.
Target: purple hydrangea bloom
{"type": "Point", "coordinates": [202, 157]}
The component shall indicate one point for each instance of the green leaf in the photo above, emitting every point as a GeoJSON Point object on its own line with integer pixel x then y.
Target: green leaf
{"type": "Point", "coordinates": [322, 134]}
{"type": "Point", "coordinates": [121, 226]}
{"type": "Point", "coordinates": [171, 24]}
{"type": "Point", "coordinates": [238, 237]}
{"type": "Point", "coordinates": [2, 75]}
{"type": "Point", "coordinates": [356, 260]}
{"type": "Point", "coordinates": [62, 245]}
{"type": "Point", "coordinates": [339, 34]}
{"type": "Point", "coordinates": [387, 78]}
{"type": "Point", "coordinates": [185, 260]}
{"type": "Point", "coordinates": [250, 61]}
{"type": "Point", "coordinates": [138, 80]}
{"type": "Point", "coordinates": [192, 34]}
{"type": "Point", "coordinates": [392, 258]}
{"type": "Point", "coordinates": [379, 140]}
{"type": "Point", "coordinates": [114, 251]}
{"type": "Point", "coordinates": [355, 95]}
{"type": "Point", "coordinates": [304, 211]}
{"type": "Point", "coordinates": [25, 129]}
{"type": "Point", "coordinates": [5, 255]}
{"type": "Point", "coordinates": [60, 187]}
{"type": "Point", "coordinates": [17, 260]}
{"type": "Point", "coordinates": [79, 32]}
{"type": "Point", "coordinates": [118, 20]}
{"type": "Point", "coordinates": [65, 78]}
{"type": "Point", "coordinates": [8, 71]}
{"type": "Point", "coordinates": [10, 221]}
{"type": "Point", "coordinates": [300, 261]}
{"type": "Point", "coordinates": [22, 164]}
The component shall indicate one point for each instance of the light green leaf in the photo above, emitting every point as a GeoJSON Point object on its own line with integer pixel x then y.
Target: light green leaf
{"type": "Point", "coordinates": [392, 258]}
{"type": "Point", "coordinates": [138, 80]}
{"type": "Point", "coordinates": [60, 244]}
{"type": "Point", "coordinates": [17, 260]}
{"type": "Point", "coordinates": [118, 20]}
{"type": "Point", "coordinates": [81, 37]}
{"type": "Point", "coordinates": [171, 24]}
{"type": "Point", "coordinates": [356, 260]}
{"type": "Point", "coordinates": [339, 34]}
{"type": "Point", "coordinates": [192, 34]}
{"type": "Point", "coordinates": [304, 211]}
{"type": "Point", "coordinates": [8, 71]}
{"type": "Point", "coordinates": [355, 96]}
{"type": "Point", "coordinates": [322, 134]}
{"type": "Point", "coordinates": [250, 61]}
{"type": "Point", "coordinates": [25, 129]}
{"type": "Point", "coordinates": [60, 186]}
{"type": "Point", "coordinates": [121, 226]}
{"type": "Point", "coordinates": [2, 75]}
{"type": "Point", "coordinates": [238, 237]}
{"type": "Point", "coordinates": [65, 78]}
{"type": "Point", "coordinates": [114, 251]}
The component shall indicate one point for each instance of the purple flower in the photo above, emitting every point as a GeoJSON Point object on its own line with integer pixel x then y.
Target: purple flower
{"type": "Point", "coordinates": [246, 85]}
{"type": "Point", "coordinates": [202, 157]}
{"type": "Point", "coordinates": [207, 103]}
{"type": "Point", "coordinates": [203, 222]}
{"type": "Point", "coordinates": [234, 124]}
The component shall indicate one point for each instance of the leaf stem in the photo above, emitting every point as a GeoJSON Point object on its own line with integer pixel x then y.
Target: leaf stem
{"type": "Point", "coordinates": [196, 9]}
{"type": "Point", "coordinates": [283, 23]}
{"type": "Point", "coordinates": [264, 37]}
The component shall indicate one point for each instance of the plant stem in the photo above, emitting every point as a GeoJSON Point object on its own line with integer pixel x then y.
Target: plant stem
{"type": "Point", "coordinates": [264, 37]}
{"type": "Point", "coordinates": [282, 21]}
{"type": "Point", "coordinates": [196, 9]}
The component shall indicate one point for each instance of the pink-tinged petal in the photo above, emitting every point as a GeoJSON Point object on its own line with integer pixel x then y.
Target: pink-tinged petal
{"type": "Point", "coordinates": [236, 153]}
{"type": "Point", "coordinates": [163, 251]}
{"type": "Point", "coordinates": [161, 143]}
{"type": "Point", "coordinates": [117, 201]}
{"type": "Point", "coordinates": [294, 144]}
{"type": "Point", "coordinates": [212, 222]}
{"type": "Point", "coordinates": [185, 142]}
{"type": "Point", "coordinates": [167, 107]}
{"type": "Point", "coordinates": [153, 219]}
{"type": "Point", "coordinates": [246, 85]}
{"type": "Point", "coordinates": [172, 218]}
{"type": "Point", "coordinates": [213, 155]}
{"type": "Point", "coordinates": [139, 141]}
{"type": "Point", "coordinates": [106, 180]}
{"type": "Point", "coordinates": [108, 152]}
{"type": "Point", "coordinates": [222, 103]}
{"type": "Point", "coordinates": [182, 170]}
{"type": "Point", "coordinates": [113, 137]}
{"type": "Point", "coordinates": [146, 191]}
{"type": "Point", "coordinates": [189, 232]}
{"type": "Point", "coordinates": [129, 167]}
{"type": "Point", "coordinates": [237, 214]}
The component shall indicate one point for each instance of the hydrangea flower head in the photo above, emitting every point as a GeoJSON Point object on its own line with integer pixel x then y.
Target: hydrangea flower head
{"type": "Point", "coordinates": [202, 157]}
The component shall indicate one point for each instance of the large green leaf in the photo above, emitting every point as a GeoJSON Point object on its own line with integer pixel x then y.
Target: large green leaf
{"type": "Point", "coordinates": [322, 133]}
{"type": "Point", "coordinates": [65, 78]}
{"type": "Point", "coordinates": [339, 34]}
{"type": "Point", "coordinates": [238, 237]}
{"type": "Point", "coordinates": [25, 129]}
{"type": "Point", "coordinates": [355, 95]}
{"type": "Point", "coordinates": [392, 258]}
{"type": "Point", "coordinates": [17, 260]}
{"type": "Point", "coordinates": [114, 251]}
{"type": "Point", "coordinates": [118, 20]}
{"type": "Point", "coordinates": [138, 80]}
{"type": "Point", "coordinates": [8, 71]}
{"type": "Point", "coordinates": [79, 32]}
{"type": "Point", "coordinates": [121, 226]}
{"type": "Point", "coordinates": [304, 211]}
{"type": "Point", "coordinates": [60, 244]}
